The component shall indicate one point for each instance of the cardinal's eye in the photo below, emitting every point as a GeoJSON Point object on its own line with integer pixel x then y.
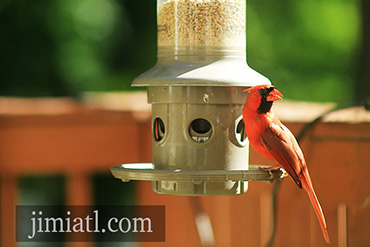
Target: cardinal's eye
{"type": "Point", "coordinates": [264, 92]}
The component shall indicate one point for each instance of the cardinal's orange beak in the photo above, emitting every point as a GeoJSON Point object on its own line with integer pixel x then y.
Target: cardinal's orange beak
{"type": "Point", "coordinates": [274, 95]}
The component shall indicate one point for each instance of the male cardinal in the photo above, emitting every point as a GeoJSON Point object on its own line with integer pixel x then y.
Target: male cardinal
{"type": "Point", "coordinates": [269, 137]}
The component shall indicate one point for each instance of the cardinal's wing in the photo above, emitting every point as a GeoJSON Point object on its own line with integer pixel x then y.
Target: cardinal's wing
{"type": "Point", "coordinates": [283, 146]}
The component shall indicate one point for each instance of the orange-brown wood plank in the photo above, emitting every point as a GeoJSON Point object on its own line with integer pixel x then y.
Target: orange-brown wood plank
{"type": "Point", "coordinates": [69, 146]}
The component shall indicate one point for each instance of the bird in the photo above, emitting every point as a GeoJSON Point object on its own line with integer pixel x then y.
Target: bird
{"type": "Point", "coordinates": [270, 138]}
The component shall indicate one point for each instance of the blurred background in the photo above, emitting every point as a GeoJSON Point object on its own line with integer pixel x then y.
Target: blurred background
{"type": "Point", "coordinates": [64, 47]}
{"type": "Point", "coordinates": [311, 50]}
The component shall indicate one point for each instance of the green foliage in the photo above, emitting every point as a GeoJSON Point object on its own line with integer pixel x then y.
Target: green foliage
{"type": "Point", "coordinates": [307, 48]}
{"type": "Point", "coordinates": [42, 190]}
{"type": "Point", "coordinates": [65, 47]}
{"type": "Point", "coordinates": [111, 191]}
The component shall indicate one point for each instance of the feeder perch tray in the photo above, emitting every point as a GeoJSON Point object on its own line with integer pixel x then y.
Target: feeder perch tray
{"type": "Point", "coordinates": [146, 172]}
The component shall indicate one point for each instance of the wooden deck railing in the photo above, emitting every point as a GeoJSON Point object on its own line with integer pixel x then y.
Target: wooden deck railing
{"type": "Point", "coordinates": [78, 139]}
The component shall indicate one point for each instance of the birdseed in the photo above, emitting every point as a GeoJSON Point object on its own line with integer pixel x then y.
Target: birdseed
{"type": "Point", "coordinates": [201, 22]}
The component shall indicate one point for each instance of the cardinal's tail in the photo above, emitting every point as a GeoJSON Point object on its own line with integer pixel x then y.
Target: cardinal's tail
{"type": "Point", "coordinates": [307, 186]}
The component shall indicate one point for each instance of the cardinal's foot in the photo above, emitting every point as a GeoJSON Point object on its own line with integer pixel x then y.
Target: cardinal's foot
{"type": "Point", "coordinates": [274, 170]}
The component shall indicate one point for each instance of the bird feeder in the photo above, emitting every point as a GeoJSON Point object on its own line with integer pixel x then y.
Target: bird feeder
{"type": "Point", "coordinates": [196, 91]}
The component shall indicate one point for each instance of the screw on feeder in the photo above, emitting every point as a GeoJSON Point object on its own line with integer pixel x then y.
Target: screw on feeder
{"type": "Point", "coordinates": [206, 98]}
{"type": "Point", "coordinates": [199, 143]}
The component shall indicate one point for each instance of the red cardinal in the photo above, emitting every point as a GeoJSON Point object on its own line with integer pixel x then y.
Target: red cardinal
{"type": "Point", "coordinates": [269, 137]}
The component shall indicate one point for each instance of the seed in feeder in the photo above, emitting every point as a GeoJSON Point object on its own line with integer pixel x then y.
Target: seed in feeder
{"type": "Point", "coordinates": [201, 22]}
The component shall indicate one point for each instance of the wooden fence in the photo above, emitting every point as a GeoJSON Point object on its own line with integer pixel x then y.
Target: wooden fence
{"type": "Point", "coordinates": [61, 136]}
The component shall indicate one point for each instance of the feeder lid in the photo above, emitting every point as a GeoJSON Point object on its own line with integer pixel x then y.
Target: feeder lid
{"type": "Point", "coordinates": [224, 73]}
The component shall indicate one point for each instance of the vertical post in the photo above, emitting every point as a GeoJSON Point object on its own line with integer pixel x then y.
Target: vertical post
{"type": "Point", "coordinates": [79, 193]}
{"type": "Point", "coordinates": [222, 225]}
{"type": "Point", "coordinates": [8, 194]}
{"type": "Point", "coordinates": [342, 225]}
{"type": "Point", "coordinates": [266, 211]}
{"type": "Point", "coordinates": [202, 222]}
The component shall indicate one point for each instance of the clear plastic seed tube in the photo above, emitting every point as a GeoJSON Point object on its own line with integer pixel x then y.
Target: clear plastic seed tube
{"type": "Point", "coordinates": [184, 24]}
